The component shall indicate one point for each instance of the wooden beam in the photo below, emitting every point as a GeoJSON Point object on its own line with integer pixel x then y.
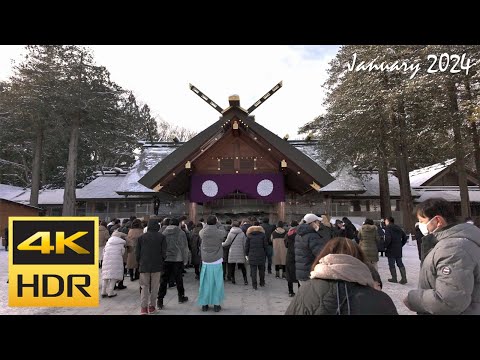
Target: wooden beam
{"type": "Point", "coordinates": [281, 211]}
{"type": "Point", "coordinates": [192, 212]}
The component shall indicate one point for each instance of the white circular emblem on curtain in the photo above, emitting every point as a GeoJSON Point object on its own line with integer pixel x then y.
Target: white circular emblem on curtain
{"type": "Point", "coordinates": [210, 188]}
{"type": "Point", "coordinates": [265, 187]}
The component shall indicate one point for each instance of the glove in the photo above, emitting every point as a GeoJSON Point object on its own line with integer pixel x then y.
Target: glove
{"type": "Point", "coordinates": [246, 258]}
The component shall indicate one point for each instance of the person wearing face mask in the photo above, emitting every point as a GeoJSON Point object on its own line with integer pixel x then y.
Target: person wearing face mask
{"type": "Point", "coordinates": [449, 281]}
{"type": "Point", "coordinates": [308, 244]}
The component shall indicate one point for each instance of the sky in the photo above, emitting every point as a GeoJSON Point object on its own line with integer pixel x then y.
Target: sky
{"type": "Point", "coordinates": [159, 76]}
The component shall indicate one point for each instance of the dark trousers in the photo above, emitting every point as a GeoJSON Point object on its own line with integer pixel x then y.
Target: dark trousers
{"type": "Point", "coordinates": [176, 269]}
{"type": "Point", "coordinates": [231, 270]}
{"type": "Point", "coordinates": [269, 258]}
{"type": "Point", "coordinates": [225, 271]}
{"type": "Point", "coordinates": [392, 260]}
{"type": "Point", "coordinates": [280, 267]}
{"type": "Point", "coordinates": [197, 269]}
{"type": "Point", "coordinates": [290, 286]}
{"type": "Point", "coordinates": [253, 274]}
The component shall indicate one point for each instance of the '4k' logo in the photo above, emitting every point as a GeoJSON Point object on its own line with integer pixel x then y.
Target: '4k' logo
{"type": "Point", "coordinates": [60, 243]}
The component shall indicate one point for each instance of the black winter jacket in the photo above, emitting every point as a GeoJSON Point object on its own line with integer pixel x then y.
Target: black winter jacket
{"type": "Point", "coordinates": [308, 244]}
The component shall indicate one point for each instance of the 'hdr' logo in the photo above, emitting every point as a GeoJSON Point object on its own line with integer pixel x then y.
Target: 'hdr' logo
{"type": "Point", "coordinates": [53, 261]}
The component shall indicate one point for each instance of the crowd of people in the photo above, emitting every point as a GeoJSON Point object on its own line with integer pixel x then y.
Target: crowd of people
{"type": "Point", "coordinates": [334, 265]}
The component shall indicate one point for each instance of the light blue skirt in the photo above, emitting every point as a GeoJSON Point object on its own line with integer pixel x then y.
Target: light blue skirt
{"type": "Point", "coordinates": [211, 290]}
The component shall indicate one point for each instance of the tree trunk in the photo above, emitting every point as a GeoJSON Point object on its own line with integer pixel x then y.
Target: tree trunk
{"type": "Point", "coordinates": [459, 151]}
{"type": "Point", "coordinates": [69, 197]}
{"type": "Point", "coordinates": [476, 147]}
{"type": "Point", "coordinates": [385, 207]}
{"type": "Point", "coordinates": [36, 167]}
{"type": "Point", "coordinates": [401, 151]}
{"type": "Point", "coordinates": [474, 132]}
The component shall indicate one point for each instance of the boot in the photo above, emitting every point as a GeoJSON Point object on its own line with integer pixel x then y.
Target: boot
{"type": "Point", "coordinates": [269, 268]}
{"type": "Point", "coordinates": [393, 271]}
{"type": "Point", "coordinates": [182, 299]}
{"type": "Point", "coordinates": [120, 286]}
{"type": "Point", "coordinates": [130, 271]}
{"type": "Point", "coordinates": [277, 274]}
{"type": "Point", "coordinates": [137, 274]}
{"type": "Point", "coordinates": [245, 279]}
{"type": "Point", "coordinates": [160, 304]}
{"type": "Point", "coordinates": [403, 272]}
{"type": "Point", "coordinates": [233, 278]}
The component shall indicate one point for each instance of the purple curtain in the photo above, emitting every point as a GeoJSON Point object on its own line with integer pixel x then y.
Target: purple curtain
{"type": "Point", "coordinates": [267, 187]}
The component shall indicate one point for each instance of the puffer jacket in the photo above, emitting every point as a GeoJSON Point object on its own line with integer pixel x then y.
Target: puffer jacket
{"type": "Point", "coordinates": [449, 281]}
{"type": "Point", "coordinates": [112, 266]}
{"type": "Point", "coordinates": [341, 285]}
{"type": "Point", "coordinates": [236, 242]}
{"type": "Point", "coordinates": [308, 244]}
{"type": "Point", "coordinates": [368, 236]}
{"type": "Point", "coordinates": [256, 245]}
{"type": "Point", "coordinates": [177, 246]}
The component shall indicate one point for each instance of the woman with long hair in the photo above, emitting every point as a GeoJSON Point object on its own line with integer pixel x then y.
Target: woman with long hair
{"type": "Point", "coordinates": [341, 284]}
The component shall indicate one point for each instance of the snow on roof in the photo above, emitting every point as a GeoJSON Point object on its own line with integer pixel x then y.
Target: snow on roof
{"type": "Point", "coordinates": [451, 195]}
{"type": "Point", "coordinates": [372, 184]}
{"type": "Point", "coordinates": [345, 180]}
{"type": "Point", "coordinates": [148, 158]}
{"type": "Point", "coordinates": [421, 176]}
{"type": "Point", "coordinates": [8, 192]}
{"type": "Point", "coordinates": [103, 187]}
{"type": "Point", "coordinates": [45, 197]}
{"type": "Point", "coordinates": [312, 150]}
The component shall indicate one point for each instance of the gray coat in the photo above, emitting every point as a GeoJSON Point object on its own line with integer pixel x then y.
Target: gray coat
{"type": "Point", "coordinates": [177, 246]}
{"type": "Point", "coordinates": [449, 281]}
{"type": "Point", "coordinates": [212, 237]}
{"type": "Point", "coordinates": [236, 254]}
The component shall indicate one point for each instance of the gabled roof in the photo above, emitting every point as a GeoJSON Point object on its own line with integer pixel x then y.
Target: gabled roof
{"type": "Point", "coordinates": [45, 197]}
{"type": "Point", "coordinates": [160, 170]}
{"type": "Point", "coordinates": [102, 187]}
{"type": "Point", "coordinates": [420, 176]}
{"type": "Point", "coordinates": [20, 204]}
{"type": "Point", "coordinates": [449, 193]}
{"type": "Point", "coordinates": [150, 157]}
{"type": "Point", "coordinates": [9, 192]}
{"type": "Point", "coordinates": [164, 166]}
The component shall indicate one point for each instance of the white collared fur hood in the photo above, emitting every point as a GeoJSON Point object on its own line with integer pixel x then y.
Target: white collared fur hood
{"type": "Point", "coordinates": [252, 229]}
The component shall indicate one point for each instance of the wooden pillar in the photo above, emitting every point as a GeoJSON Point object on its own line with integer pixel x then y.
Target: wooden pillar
{"type": "Point", "coordinates": [367, 205]}
{"type": "Point", "coordinates": [328, 205]}
{"type": "Point", "coordinates": [192, 212]}
{"type": "Point", "coordinates": [281, 211]}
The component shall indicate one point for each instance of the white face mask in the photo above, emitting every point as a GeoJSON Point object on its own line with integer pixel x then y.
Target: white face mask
{"type": "Point", "coordinates": [423, 227]}
{"type": "Point", "coordinates": [469, 222]}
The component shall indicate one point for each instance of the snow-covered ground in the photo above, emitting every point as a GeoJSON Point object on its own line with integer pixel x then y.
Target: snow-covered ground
{"type": "Point", "coordinates": [239, 299]}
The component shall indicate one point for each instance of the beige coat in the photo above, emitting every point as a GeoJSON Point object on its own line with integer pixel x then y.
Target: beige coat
{"type": "Point", "coordinates": [279, 248]}
{"type": "Point", "coordinates": [103, 236]}
{"type": "Point", "coordinates": [132, 239]}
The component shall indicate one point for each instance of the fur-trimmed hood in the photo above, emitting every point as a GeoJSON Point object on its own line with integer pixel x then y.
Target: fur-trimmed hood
{"type": "Point", "coordinates": [253, 229]}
